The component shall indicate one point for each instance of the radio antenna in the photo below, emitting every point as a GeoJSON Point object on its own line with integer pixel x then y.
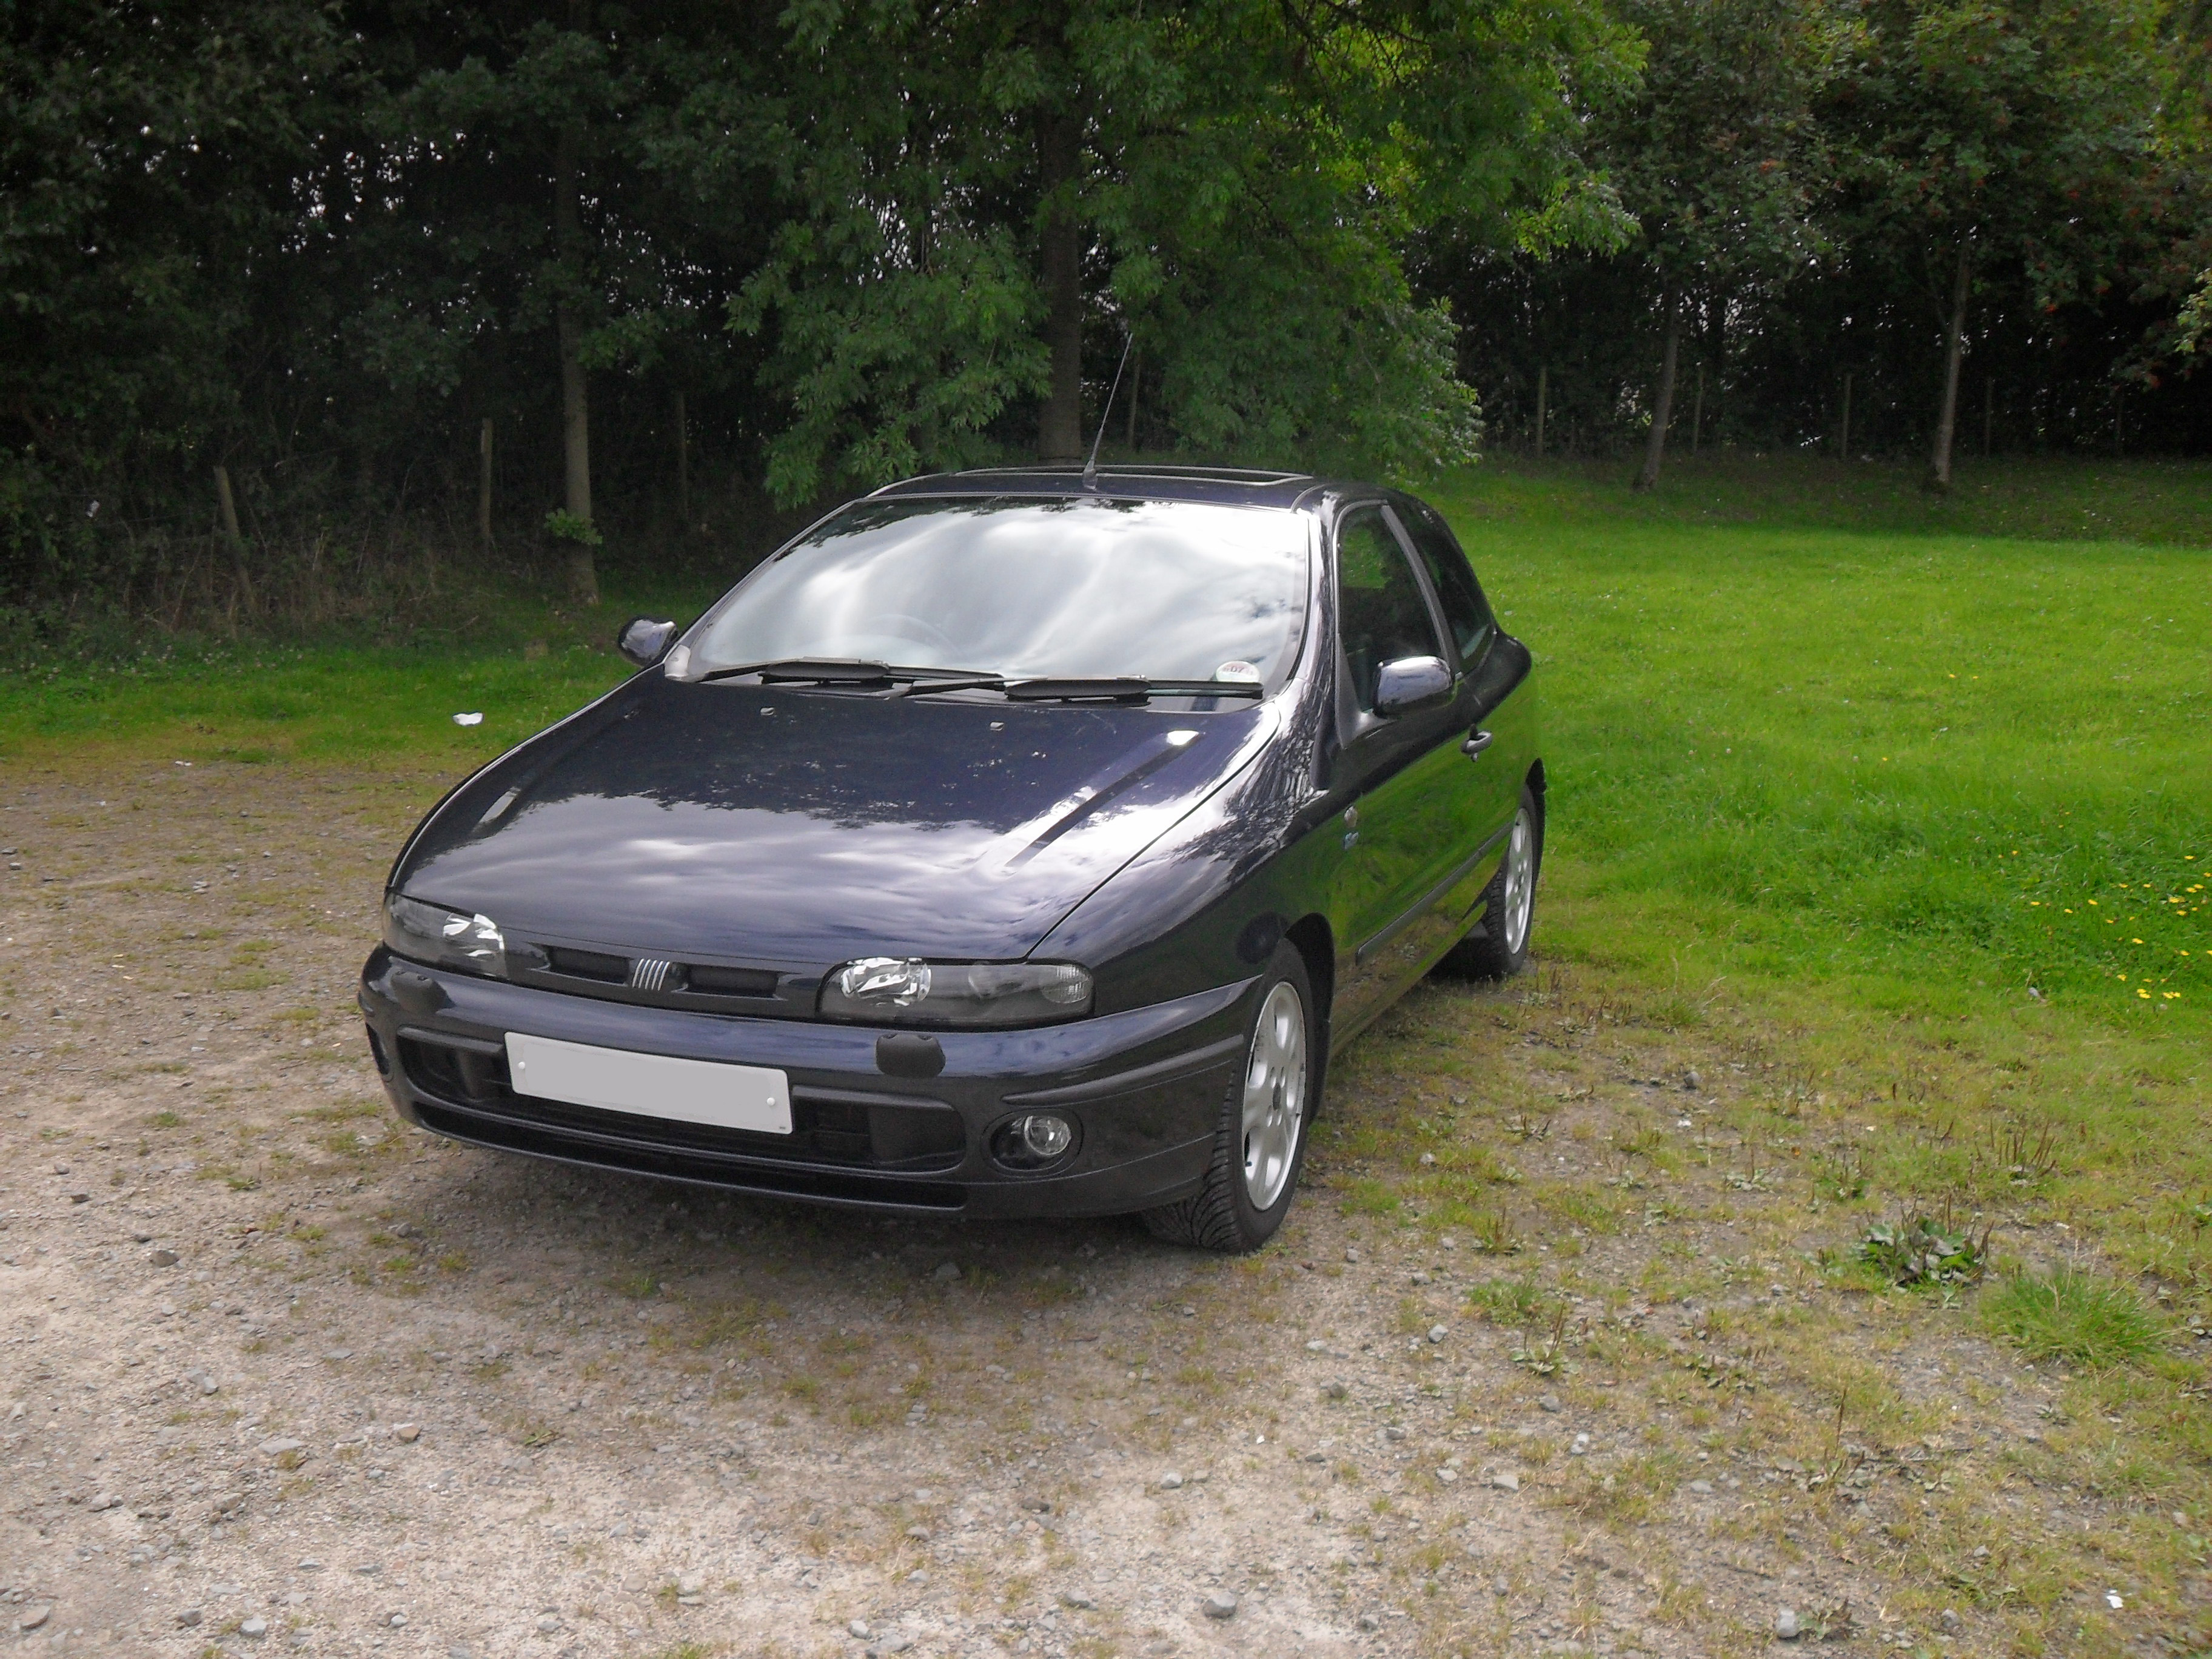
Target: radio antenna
{"type": "Point", "coordinates": [1090, 466]}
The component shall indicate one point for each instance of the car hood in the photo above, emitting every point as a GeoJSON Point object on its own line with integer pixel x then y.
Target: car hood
{"type": "Point", "coordinates": [805, 826]}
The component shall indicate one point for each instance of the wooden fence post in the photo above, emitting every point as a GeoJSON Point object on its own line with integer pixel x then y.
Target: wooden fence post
{"type": "Point", "coordinates": [683, 462]}
{"type": "Point", "coordinates": [484, 482]}
{"type": "Point", "coordinates": [227, 504]}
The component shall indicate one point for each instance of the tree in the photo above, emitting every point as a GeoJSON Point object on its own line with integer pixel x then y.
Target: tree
{"type": "Point", "coordinates": [972, 187]}
{"type": "Point", "coordinates": [1719, 158]}
{"type": "Point", "coordinates": [1988, 141]}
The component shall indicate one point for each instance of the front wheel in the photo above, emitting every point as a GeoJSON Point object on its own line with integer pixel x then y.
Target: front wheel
{"type": "Point", "coordinates": [1259, 1144]}
{"type": "Point", "coordinates": [1499, 949]}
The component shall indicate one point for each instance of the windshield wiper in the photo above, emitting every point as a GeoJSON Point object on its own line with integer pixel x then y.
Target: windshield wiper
{"type": "Point", "coordinates": [812, 671]}
{"type": "Point", "coordinates": [1123, 688]}
{"type": "Point", "coordinates": [916, 682]}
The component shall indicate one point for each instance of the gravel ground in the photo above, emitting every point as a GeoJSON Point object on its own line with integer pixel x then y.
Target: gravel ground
{"type": "Point", "coordinates": [276, 1370]}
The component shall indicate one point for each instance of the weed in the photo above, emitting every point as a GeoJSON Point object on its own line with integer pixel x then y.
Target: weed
{"type": "Point", "coordinates": [2075, 1316]}
{"type": "Point", "coordinates": [1839, 1172]}
{"type": "Point", "coordinates": [1512, 1301]}
{"type": "Point", "coordinates": [1919, 1253]}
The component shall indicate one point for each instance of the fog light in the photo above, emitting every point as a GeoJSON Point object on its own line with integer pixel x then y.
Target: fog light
{"type": "Point", "coordinates": [1046, 1137]}
{"type": "Point", "coordinates": [1033, 1140]}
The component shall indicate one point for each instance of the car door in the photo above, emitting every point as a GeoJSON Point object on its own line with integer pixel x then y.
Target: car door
{"type": "Point", "coordinates": [1501, 743]}
{"type": "Point", "coordinates": [1405, 829]}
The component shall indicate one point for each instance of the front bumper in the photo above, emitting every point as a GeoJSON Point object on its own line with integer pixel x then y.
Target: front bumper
{"type": "Point", "coordinates": [1145, 1088]}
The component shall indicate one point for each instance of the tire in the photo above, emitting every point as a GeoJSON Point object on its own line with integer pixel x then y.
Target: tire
{"type": "Point", "coordinates": [1499, 947]}
{"type": "Point", "coordinates": [1259, 1144]}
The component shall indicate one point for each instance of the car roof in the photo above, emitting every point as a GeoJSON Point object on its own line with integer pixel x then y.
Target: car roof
{"type": "Point", "coordinates": [1226, 485]}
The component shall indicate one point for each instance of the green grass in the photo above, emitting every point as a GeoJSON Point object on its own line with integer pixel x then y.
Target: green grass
{"type": "Point", "coordinates": [2074, 1316]}
{"type": "Point", "coordinates": [1932, 763]}
{"type": "Point", "coordinates": [522, 660]}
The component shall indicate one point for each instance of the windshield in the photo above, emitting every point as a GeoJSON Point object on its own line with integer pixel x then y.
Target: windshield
{"type": "Point", "coordinates": [1029, 589]}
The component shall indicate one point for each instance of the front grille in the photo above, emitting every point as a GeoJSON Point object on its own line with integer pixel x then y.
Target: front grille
{"type": "Point", "coordinates": [658, 976]}
{"type": "Point", "coordinates": [589, 964]}
{"type": "Point", "coordinates": [729, 982]}
{"type": "Point", "coordinates": [879, 1133]}
{"type": "Point", "coordinates": [644, 1158]}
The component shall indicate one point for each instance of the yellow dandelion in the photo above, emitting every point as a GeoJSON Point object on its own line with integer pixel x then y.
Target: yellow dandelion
{"type": "Point", "coordinates": [2141, 992]}
{"type": "Point", "coordinates": [2135, 941]}
{"type": "Point", "coordinates": [2170, 995]}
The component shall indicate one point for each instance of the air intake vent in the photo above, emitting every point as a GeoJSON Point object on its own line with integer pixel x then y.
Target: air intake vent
{"type": "Point", "coordinates": [650, 974]}
{"type": "Point", "coordinates": [730, 981]}
{"type": "Point", "coordinates": [589, 964]}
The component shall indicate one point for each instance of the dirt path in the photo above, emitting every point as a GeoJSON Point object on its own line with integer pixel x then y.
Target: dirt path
{"type": "Point", "coordinates": [1537, 1367]}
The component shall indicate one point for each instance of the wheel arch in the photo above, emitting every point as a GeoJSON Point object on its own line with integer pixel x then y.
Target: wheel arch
{"type": "Point", "coordinates": [1315, 941]}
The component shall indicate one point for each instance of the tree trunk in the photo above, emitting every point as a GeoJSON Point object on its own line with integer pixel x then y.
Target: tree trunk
{"type": "Point", "coordinates": [575, 408]}
{"type": "Point", "coordinates": [683, 464]}
{"type": "Point", "coordinates": [1060, 421]}
{"type": "Point", "coordinates": [1136, 380]}
{"type": "Point", "coordinates": [1543, 399]}
{"type": "Point", "coordinates": [1954, 343]}
{"type": "Point", "coordinates": [484, 482]}
{"type": "Point", "coordinates": [1662, 405]}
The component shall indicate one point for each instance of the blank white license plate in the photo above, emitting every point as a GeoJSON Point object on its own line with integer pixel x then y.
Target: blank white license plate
{"type": "Point", "coordinates": [651, 1085]}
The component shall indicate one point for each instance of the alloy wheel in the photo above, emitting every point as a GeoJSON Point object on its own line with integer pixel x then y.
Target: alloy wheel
{"type": "Point", "coordinates": [1520, 883]}
{"type": "Point", "coordinates": [1274, 1096]}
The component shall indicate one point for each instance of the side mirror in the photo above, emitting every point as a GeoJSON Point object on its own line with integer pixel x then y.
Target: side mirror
{"type": "Point", "coordinates": [645, 640]}
{"type": "Point", "coordinates": [1410, 681]}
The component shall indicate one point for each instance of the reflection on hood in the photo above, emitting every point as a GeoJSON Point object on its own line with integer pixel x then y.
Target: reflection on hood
{"type": "Point", "coordinates": [809, 827]}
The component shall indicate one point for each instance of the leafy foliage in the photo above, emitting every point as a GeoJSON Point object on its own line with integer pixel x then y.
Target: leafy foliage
{"type": "Point", "coordinates": [1917, 1253]}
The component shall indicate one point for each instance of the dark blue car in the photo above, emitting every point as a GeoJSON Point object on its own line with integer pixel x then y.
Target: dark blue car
{"type": "Point", "coordinates": [1012, 843]}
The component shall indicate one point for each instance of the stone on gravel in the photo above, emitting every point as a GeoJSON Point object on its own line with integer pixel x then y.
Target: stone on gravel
{"type": "Point", "coordinates": [277, 1448]}
{"type": "Point", "coordinates": [1078, 1599]}
{"type": "Point", "coordinates": [1550, 1402]}
{"type": "Point", "coordinates": [163, 1258]}
{"type": "Point", "coordinates": [1508, 1481]}
{"type": "Point", "coordinates": [35, 1618]}
{"type": "Point", "coordinates": [1351, 1255]}
{"type": "Point", "coordinates": [547, 1623]}
{"type": "Point", "coordinates": [1500, 1586]}
{"type": "Point", "coordinates": [691, 1583]}
{"type": "Point", "coordinates": [947, 1271]}
{"type": "Point", "coordinates": [408, 1433]}
{"type": "Point", "coordinates": [189, 1617]}
{"type": "Point", "coordinates": [1333, 1390]}
{"type": "Point", "coordinates": [1221, 1604]}
{"type": "Point", "coordinates": [1703, 1488]}
{"type": "Point", "coordinates": [1785, 1624]}
{"type": "Point", "coordinates": [858, 1630]}
{"type": "Point", "coordinates": [254, 1628]}
{"type": "Point", "coordinates": [141, 1236]}
{"type": "Point", "coordinates": [1437, 1333]}
{"type": "Point", "coordinates": [1169, 1481]}
{"type": "Point", "coordinates": [1368, 1621]}
{"type": "Point", "coordinates": [107, 1500]}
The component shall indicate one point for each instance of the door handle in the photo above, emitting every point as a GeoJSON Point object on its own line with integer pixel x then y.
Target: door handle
{"type": "Point", "coordinates": [1474, 746]}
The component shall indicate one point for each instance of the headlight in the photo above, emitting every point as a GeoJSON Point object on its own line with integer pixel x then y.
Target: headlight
{"type": "Point", "coordinates": [445, 939]}
{"type": "Point", "coordinates": [907, 990]}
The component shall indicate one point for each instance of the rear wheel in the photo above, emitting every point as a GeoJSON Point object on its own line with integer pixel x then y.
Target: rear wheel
{"type": "Point", "coordinates": [1499, 949]}
{"type": "Point", "coordinates": [1260, 1143]}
